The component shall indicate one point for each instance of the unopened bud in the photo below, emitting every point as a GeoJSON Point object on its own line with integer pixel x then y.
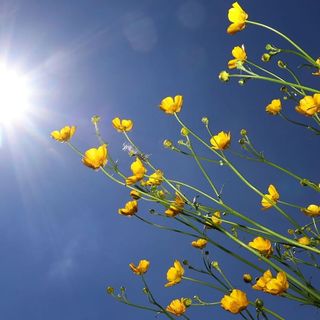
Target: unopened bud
{"type": "Point", "coordinates": [281, 64]}
{"type": "Point", "coordinates": [184, 131]}
{"type": "Point", "coordinates": [224, 76]}
{"type": "Point", "coordinates": [95, 119]}
{"type": "Point", "coordinates": [259, 303]}
{"type": "Point", "coordinates": [215, 264]}
{"type": "Point", "coordinates": [266, 57]}
{"type": "Point", "coordinates": [185, 262]}
{"type": "Point", "coordinates": [145, 290]}
{"type": "Point", "coordinates": [110, 290]}
{"type": "Point", "coordinates": [205, 121]}
{"type": "Point", "coordinates": [247, 278]}
{"type": "Point", "coordinates": [187, 302]}
{"type": "Point", "coordinates": [167, 143]}
{"type": "Point", "coordinates": [243, 132]}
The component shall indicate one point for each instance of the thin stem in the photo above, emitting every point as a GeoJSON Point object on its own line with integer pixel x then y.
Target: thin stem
{"type": "Point", "coordinates": [284, 83]}
{"type": "Point", "coordinates": [307, 56]}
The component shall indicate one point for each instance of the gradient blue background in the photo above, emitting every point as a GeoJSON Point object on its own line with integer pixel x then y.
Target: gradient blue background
{"type": "Point", "coordinates": [61, 239]}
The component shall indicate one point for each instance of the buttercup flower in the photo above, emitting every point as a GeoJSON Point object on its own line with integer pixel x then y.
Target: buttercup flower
{"type": "Point", "coordinates": [171, 105]}
{"type": "Point", "coordinates": [304, 240]}
{"type": "Point", "coordinates": [177, 307]}
{"type": "Point", "coordinates": [274, 107]}
{"type": "Point", "coordinates": [129, 209]}
{"type": "Point", "coordinates": [216, 218]}
{"type": "Point", "coordinates": [239, 55]}
{"type": "Point", "coordinates": [272, 197]}
{"type": "Point", "coordinates": [176, 207]}
{"type": "Point", "coordinates": [122, 125]}
{"type": "Point", "coordinates": [221, 141]}
{"type": "Point", "coordinates": [135, 195]}
{"type": "Point", "coordinates": [238, 17]}
{"type": "Point", "coordinates": [275, 286]}
{"type": "Point", "coordinates": [309, 105]}
{"type": "Point", "coordinates": [174, 274]}
{"type": "Point", "coordinates": [138, 171]}
{"type": "Point", "coordinates": [155, 179]}
{"type": "Point", "coordinates": [262, 245]}
{"type": "Point", "coordinates": [235, 302]}
{"type": "Point", "coordinates": [200, 243]}
{"type": "Point", "coordinates": [142, 267]}
{"type": "Point", "coordinates": [312, 210]}
{"type": "Point", "coordinates": [65, 134]}
{"type": "Point", "coordinates": [96, 157]}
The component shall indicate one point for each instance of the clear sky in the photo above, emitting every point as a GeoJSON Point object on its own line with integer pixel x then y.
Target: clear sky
{"type": "Point", "coordinates": [61, 238]}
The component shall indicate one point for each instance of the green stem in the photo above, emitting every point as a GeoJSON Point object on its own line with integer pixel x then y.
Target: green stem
{"type": "Point", "coordinates": [284, 83]}
{"type": "Point", "coordinates": [307, 56]}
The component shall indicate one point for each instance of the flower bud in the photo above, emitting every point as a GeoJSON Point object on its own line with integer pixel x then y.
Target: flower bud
{"type": "Point", "coordinates": [243, 132]}
{"type": "Point", "coordinates": [224, 76]}
{"type": "Point", "coordinates": [167, 143]}
{"type": "Point", "coordinates": [259, 303]}
{"type": "Point", "coordinates": [110, 290]}
{"type": "Point", "coordinates": [185, 262]}
{"type": "Point", "coordinates": [281, 64]}
{"type": "Point", "coordinates": [145, 290]}
{"type": "Point", "coordinates": [215, 264]}
{"type": "Point", "coordinates": [205, 121]}
{"type": "Point", "coordinates": [266, 57]}
{"type": "Point", "coordinates": [184, 131]}
{"type": "Point", "coordinates": [247, 278]}
{"type": "Point", "coordinates": [291, 232]}
{"type": "Point", "coordinates": [95, 119]}
{"type": "Point", "coordinates": [187, 302]}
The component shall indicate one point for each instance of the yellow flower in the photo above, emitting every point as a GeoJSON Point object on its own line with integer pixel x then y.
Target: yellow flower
{"type": "Point", "coordinates": [174, 274]}
{"type": "Point", "coordinates": [138, 171]}
{"type": "Point", "coordinates": [134, 194]}
{"type": "Point", "coordinates": [177, 307]}
{"type": "Point", "coordinates": [216, 218]}
{"type": "Point", "coordinates": [238, 17]}
{"type": "Point", "coordinates": [304, 240]}
{"type": "Point", "coordinates": [142, 267]}
{"type": "Point", "coordinates": [275, 286]}
{"type": "Point", "coordinates": [171, 105]}
{"type": "Point", "coordinates": [95, 158]}
{"type": "Point", "coordinates": [176, 207]}
{"type": "Point", "coordinates": [239, 55]}
{"type": "Point", "coordinates": [309, 105]}
{"type": "Point", "coordinates": [200, 243]}
{"type": "Point", "coordinates": [274, 107]}
{"type": "Point", "coordinates": [221, 141]}
{"type": "Point", "coordinates": [312, 210]}
{"type": "Point", "coordinates": [272, 197]}
{"type": "Point", "coordinates": [129, 209]}
{"type": "Point", "coordinates": [235, 302]}
{"type": "Point", "coordinates": [155, 179]}
{"type": "Point", "coordinates": [262, 245]}
{"type": "Point", "coordinates": [65, 134]}
{"type": "Point", "coordinates": [122, 125]}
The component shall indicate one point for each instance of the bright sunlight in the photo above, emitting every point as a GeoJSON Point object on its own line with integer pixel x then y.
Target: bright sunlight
{"type": "Point", "coordinates": [14, 95]}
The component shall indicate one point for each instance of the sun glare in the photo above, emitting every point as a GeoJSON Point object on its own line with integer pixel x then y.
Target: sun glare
{"type": "Point", "coordinates": [14, 95]}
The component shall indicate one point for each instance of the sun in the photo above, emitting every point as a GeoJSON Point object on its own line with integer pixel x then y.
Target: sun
{"type": "Point", "coordinates": [14, 95]}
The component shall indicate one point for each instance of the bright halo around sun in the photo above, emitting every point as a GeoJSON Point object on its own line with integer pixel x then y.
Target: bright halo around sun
{"type": "Point", "coordinates": [15, 95]}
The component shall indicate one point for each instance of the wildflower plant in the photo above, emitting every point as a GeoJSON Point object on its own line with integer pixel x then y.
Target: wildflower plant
{"type": "Point", "coordinates": [276, 260]}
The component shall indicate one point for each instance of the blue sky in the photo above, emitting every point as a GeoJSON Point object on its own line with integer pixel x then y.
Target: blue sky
{"type": "Point", "coordinates": [61, 239]}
